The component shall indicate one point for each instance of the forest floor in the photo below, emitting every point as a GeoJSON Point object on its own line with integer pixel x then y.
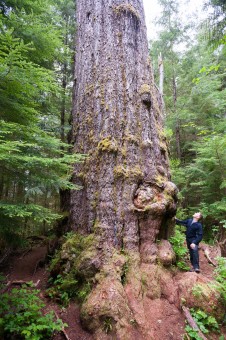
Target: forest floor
{"type": "Point", "coordinates": [25, 267]}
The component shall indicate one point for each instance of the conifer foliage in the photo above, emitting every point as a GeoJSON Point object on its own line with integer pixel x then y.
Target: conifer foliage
{"type": "Point", "coordinates": [33, 165]}
{"type": "Point", "coordinates": [195, 114]}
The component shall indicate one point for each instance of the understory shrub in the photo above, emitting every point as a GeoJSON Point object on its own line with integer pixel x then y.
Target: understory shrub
{"type": "Point", "coordinates": [181, 251]}
{"type": "Point", "coordinates": [21, 316]}
{"type": "Point", "coordinates": [205, 322]}
{"type": "Point", "coordinates": [220, 273]}
{"type": "Point", "coordinates": [66, 287]}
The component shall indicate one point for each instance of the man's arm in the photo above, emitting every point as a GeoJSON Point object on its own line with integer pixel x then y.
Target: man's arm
{"type": "Point", "coordinates": [181, 222]}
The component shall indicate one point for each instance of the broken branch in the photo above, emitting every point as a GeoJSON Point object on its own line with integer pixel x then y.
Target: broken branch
{"type": "Point", "coordinates": [62, 329]}
{"type": "Point", "coordinates": [192, 322]}
{"type": "Point", "coordinates": [207, 254]}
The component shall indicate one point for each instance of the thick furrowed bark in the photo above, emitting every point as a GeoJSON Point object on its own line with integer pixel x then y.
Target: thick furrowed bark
{"type": "Point", "coordinates": [117, 119]}
{"type": "Point", "coordinates": [127, 199]}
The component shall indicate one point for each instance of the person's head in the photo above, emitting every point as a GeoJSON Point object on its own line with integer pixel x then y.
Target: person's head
{"type": "Point", "coordinates": [197, 216]}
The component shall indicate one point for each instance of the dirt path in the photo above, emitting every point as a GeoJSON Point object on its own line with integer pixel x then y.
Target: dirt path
{"type": "Point", "coordinates": [26, 266]}
{"type": "Point", "coordinates": [166, 320]}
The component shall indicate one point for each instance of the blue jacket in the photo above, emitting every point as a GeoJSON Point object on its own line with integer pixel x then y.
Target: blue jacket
{"type": "Point", "coordinates": [193, 230]}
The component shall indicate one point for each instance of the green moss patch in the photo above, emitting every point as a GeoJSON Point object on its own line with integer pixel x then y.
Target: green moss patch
{"type": "Point", "coordinates": [72, 269]}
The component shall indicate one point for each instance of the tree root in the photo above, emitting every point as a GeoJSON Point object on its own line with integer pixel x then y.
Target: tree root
{"type": "Point", "coordinates": [192, 322]}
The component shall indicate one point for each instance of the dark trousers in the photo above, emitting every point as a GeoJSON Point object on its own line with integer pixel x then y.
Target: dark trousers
{"type": "Point", "coordinates": [194, 255]}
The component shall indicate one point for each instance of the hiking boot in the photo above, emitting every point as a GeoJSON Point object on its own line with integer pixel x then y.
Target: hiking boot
{"type": "Point", "coordinates": [197, 270]}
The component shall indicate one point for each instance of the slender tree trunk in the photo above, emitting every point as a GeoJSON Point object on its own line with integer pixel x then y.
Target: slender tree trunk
{"type": "Point", "coordinates": [178, 137]}
{"type": "Point", "coordinates": [2, 186]}
{"type": "Point", "coordinates": [63, 103]}
{"type": "Point", "coordinates": [64, 86]}
{"type": "Point", "coordinates": [62, 225]}
{"type": "Point", "coordinates": [127, 200]}
{"type": "Point", "coordinates": [161, 73]}
{"type": "Point", "coordinates": [161, 80]}
{"type": "Point", "coordinates": [69, 41]}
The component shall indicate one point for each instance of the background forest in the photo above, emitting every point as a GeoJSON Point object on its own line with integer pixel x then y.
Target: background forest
{"type": "Point", "coordinates": [194, 95]}
{"type": "Point", "coordinates": [37, 51]}
{"type": "Point", "coordinates": [36, 70]}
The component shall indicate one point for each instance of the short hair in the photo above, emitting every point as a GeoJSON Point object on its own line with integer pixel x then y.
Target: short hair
{"type": "Point", "coordinates": [201, 216]}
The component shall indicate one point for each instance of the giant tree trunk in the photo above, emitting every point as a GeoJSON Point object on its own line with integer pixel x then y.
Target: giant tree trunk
{"type": "Point", "coordinates": [126, 200]}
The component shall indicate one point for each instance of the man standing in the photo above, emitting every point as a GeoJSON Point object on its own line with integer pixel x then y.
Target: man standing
{"type": "Point", "coordinates": [193, 237]}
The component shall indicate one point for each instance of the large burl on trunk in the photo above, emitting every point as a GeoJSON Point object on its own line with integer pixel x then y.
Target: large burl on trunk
{"type": "Point", "coordinates": [127, 200]}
